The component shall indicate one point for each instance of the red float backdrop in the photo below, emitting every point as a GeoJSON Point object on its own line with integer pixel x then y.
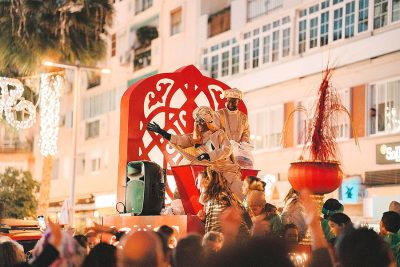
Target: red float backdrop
{"type": "Point", "coordinates": [169, 99]}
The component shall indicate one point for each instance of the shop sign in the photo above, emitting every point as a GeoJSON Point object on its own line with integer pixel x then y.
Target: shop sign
{"type": "Point", "coordinates": [388, 153]}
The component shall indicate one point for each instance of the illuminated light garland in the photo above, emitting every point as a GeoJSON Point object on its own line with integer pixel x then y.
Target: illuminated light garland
{"type": "Point", "coordinates": [50, 92]}
{"type": "Point", "coordinates": [11, 102]}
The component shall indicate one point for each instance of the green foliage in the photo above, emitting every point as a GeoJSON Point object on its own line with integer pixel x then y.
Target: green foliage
{"type": "Point", "coordinates": [64, 30]}
{"type": "Point", "coordinates": [17, 193]}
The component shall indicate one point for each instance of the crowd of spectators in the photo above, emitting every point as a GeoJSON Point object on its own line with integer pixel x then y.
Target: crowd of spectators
{"type": "Point", "coordinates": [275, 239]}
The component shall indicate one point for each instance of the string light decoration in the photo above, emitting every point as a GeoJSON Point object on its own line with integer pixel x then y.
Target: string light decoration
{"type": "Point", "coordinates": [12, 103]}
{"type": "Point", "coordinates": [50, 92]}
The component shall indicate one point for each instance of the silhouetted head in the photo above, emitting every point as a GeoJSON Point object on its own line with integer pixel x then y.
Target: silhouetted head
{"type": "Point", "coordinates": [256, 252]}
{"type": "Point", "coordinates": [363, 248]}
{"type": "Point", "coordinates": [102, 255]}
{"type": "Point", "coordinates": [390, 222]}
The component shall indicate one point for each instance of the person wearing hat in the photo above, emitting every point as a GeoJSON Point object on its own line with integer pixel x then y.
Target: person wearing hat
{"type": "Point", "coordinates": [209, 146]}
{"type": "Point", "coordinates": [232, 121]}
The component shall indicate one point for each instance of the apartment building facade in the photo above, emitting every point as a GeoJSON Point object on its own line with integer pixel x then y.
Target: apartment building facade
{"type": "Point", "coordinates": [275, 52]}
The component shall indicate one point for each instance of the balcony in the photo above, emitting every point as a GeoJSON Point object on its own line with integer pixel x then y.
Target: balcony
{"type": "Point", "coordinates": [16, 147]}
{"type": "Point", "coordinates": [144, 36]}
{"type": "Point", "coordinates": [142, 58]}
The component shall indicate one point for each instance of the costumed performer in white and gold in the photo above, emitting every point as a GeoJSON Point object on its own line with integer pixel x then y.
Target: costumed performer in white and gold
{"type": "Point", "coordinates": [231, 120]}
{"type": "Point", "coordinates": [207, 145]}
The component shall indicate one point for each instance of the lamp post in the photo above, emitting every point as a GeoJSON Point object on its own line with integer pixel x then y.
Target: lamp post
{"type": "Point", "coordinates": [76, 109]}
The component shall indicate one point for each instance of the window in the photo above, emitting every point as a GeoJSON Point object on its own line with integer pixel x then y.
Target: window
{"type": "Point", "coordinates": [325, 4]}
{"type": "Point", "coordinates": [219, 22]}
{"type": "Point", "coordinates": [314, 32]}
{"type": "Point", "coordinates": [337, 1]}
{"type": "Point", "coordinates": [266, 27]}
{"type": "Point", "coordinates": [92, 129]}
{"type": "Point", "coordinates": [266, 126]}
{"type": "Point", "coordinates": [176, 21]}
{"type": "Point", "coordinates": [247, 56]}
{"type": "Point", "coordinates": [113, 45]}
{"type": "Point", "coordinates": [337, 24]}
{"type": "Point", "coordinates": [362, 15]}
{"type": "Point", "coordinates": [55, 172]}
{"type": "Point", "coordinates": [225, 43]}
{"type": "Point", "coordinates": [302, 36]}
{"type": "Point", "coordinates": [313, 9]}
{"type": "Point", "coordinates": [285, 20]}
{"type": "Point", "coordinates": [380, 13]}
{"type": "Point", "coordinates": [384, 107]}
{"type": "Point", "coordinates": [275, 46]}
{"type": "Point", "coordinates": [205, 63]}
{"type": "Point", "coordinates": [142, 5]}
{"type": "Point", "coordinates": [235, 59]}
{"type": "Point", "coordinates": [324, 28]}
{"type": "Point", "coordinates": [256, 52]}
{"type": "Point", "coordinates": [256, 8]}
{"type": "Point", "coordinates": [214, 66]}
{"type": "Point", "coordinates": [341, 122]}
{"type": "Point", "coordinates": [225, 63]}
{"type": "Point", "coordinates": [96, 105]}
{"type": "Point", "coordinates": [266, 46]}
{"type": "Point", "coordinates": [395, 10]}
{"type": "Point", "coordinates": [286, 42]}
{"type": "Point", "coordinates": [349, 21]}
{"type": "Point", "coordinates": [95, 165]}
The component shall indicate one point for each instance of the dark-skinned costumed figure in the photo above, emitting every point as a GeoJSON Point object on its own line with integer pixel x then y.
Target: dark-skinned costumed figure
{"type": "Point", "coordinates": [233, 121]}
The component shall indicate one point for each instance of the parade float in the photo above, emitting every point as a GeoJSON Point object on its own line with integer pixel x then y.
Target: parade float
{"type": "Point", "coordinates": [170, 99]}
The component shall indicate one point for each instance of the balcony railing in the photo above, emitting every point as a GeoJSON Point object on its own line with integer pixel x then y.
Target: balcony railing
{"type": "Point", "coordinates": [142, 58]}
{"type": "Point", "coordinates": [15, 147]}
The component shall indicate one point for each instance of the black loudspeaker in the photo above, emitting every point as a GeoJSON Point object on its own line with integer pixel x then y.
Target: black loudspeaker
{"type": "Point", "coordinates": [145, 188]}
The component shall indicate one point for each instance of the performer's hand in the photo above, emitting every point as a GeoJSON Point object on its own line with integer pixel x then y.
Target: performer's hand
{"type": "Point", "coordinates": [154, 127]}
{"type": "Point", "coordinates": [204, 156]}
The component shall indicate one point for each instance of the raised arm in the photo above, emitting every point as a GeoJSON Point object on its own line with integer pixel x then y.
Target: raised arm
{"type": "Point", "coordinates": [154, 127]}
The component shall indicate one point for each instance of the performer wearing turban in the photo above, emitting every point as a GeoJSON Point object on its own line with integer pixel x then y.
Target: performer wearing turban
{"type": "Point", "coordinates": [233, 121]}
{"type": "Point", "coordinates": [212, 147]}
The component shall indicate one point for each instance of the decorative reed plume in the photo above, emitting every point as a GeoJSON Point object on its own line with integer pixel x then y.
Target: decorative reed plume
{"type": "Point", "coordinates": [320, 138]}
{"type": "Point", "coordinates": [321, 135]}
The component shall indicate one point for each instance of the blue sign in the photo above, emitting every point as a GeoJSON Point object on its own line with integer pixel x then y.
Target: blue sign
{"type": "Point", "coordinates": [349, 190]}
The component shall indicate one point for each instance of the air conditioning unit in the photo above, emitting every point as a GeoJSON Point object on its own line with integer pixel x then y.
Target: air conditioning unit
{"type": "Point", "coordinates": [125, 59]}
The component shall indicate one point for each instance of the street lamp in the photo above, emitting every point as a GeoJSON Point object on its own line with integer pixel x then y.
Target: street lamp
{"type": "Point", "coordinates": [77, 84]}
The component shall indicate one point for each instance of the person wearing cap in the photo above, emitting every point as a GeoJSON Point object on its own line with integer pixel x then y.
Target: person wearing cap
{"type": "Point", "coordinates": [210, 147]}
{"type": "Point", "coordinates": [232, 121]}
